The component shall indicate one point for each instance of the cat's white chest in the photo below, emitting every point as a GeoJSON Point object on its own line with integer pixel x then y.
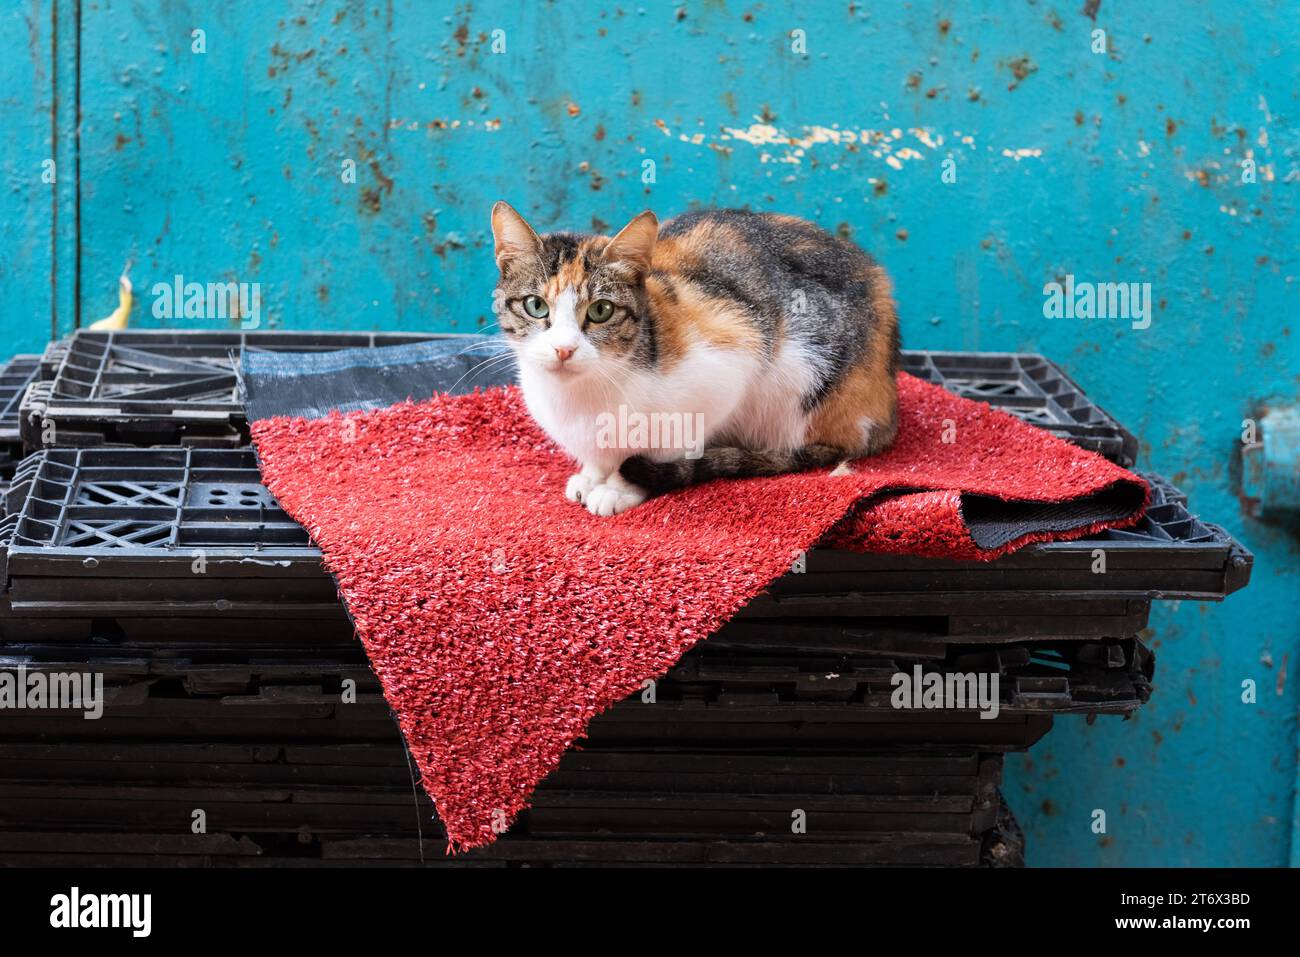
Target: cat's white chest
{"type": "Point", "coordinates": [602, 421]}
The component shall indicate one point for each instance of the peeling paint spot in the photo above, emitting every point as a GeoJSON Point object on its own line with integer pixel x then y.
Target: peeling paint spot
{"type": "Point", "coordinates": [1021, 68]}
{"type": "Point", "coordinates": [385, 183]}
{"type": "Point", "coordinates": [411, 126]}
{"type": "Point", "coordinates": [926, 137]}
{"type": "Point", "coordinates": [597, 181]}
{"type": "Point", "coordinates": [453, 241]}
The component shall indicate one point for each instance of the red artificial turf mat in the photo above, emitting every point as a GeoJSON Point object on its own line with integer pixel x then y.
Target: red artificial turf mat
{"type": "Point", "coordinates": [500, 617]}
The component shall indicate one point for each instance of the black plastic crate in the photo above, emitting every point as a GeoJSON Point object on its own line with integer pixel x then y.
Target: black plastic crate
{"type": "Point", "coordinates": [117, 533]}
{"type": "Point", "coordinates": [166, 532]}
{"type": "Point", "coordinates": [179, 388]}
{"type": "Point", "coordinates": [1107, 676]}
{"type": "Point", "coordinates": [15, 376]}
{"type": "Point", "coordinates": [262, 625]}
{"type": "Point", "coordinates": [1093, 677]}
{"type": "Point", "coordinates": [91, 848]}
{"type": "Point", "coordinates": [574, 815]}
{"type": "Point", "coordinates": [631, 806]}
{"type": "Point", "coordinates": [276, 714]}
{"type": "Point", "coordinates": [714, 785]}
{"type": "Point", "coordinates": [1169, 554]}
{"type": "Point", "coordinates": [1030, 387]}
{"type": "Point", "coordinates": [912, 626]}
{"type": "Point", "coordinates": [152, 387]}
{"type": "Point", "coordinates": [554, 813]}
{"type": "Point", "coordinates": [386, 766]}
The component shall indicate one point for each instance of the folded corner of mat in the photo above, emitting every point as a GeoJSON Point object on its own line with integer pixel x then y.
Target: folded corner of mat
{"type": "Point", "coordinates": [500, 617]}
{"type": "Point", "coordinates": [950, 524]}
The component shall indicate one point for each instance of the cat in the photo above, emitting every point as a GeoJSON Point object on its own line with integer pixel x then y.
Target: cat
{"type": "Point", "coordinates": [771, 340]}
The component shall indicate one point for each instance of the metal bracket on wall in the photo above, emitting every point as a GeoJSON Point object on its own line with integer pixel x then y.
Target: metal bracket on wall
{"type": "Point", "coordinates": [1270, 466]}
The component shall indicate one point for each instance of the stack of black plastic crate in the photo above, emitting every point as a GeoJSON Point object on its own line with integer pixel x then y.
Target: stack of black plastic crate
{"type": "Point", "coordinates": [242, 725]}
{"type": "Point", "coordinates": [16, 375]}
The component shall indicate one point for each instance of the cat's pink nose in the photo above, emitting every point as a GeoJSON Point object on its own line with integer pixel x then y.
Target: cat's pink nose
{"type": "Point", "coordinates": [564, 353]}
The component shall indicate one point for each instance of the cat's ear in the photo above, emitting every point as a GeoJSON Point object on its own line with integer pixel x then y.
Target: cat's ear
{"type": "Point", "coordinates": [514, 238]}
{"type": "Point", "coordinates": [634, 244]}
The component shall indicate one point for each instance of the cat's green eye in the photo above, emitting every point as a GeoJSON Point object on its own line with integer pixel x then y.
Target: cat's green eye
{"type": "Point", "coordinates": [536, 307]}
{"type": "Point", "coordinates": [600, 310]}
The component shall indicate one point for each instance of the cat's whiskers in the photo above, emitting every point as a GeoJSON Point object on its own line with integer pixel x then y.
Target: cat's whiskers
{"type": "Point", "coordinates": [482, 365]}
{"type": "Point", "coordinates": [483, 343]}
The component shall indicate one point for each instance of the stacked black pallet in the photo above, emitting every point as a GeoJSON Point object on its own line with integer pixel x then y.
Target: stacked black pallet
{"type": "Point", "coordinates": [156, 388]}
{"type": "Point", "coordinates": [159, 388]}
{"type": "Point", "coordinates": [16, 375]}
{"type": "Point", "coordinates": [239, 704]}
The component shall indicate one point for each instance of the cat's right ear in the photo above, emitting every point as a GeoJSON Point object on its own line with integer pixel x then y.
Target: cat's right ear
{"type": "Point", "coordinates": [513, 237]}
{"type": "Point", "coordinates": [634, 244]}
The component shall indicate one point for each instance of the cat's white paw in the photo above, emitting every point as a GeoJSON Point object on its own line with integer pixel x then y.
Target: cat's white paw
{"type": "Point", "coordinates": [613, 497]}
{"type": "Point", "coordinates": [579, 486]}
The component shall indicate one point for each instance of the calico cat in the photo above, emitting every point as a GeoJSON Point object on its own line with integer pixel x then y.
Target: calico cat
{"type": "Point", "coordinates": [766, 342]}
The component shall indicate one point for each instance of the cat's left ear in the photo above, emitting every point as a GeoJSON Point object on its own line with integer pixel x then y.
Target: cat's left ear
{"type": "Point", "coordinates": [634, 244]}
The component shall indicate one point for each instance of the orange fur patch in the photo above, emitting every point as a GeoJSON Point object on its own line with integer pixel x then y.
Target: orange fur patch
{"type": "Point", "coordinates": [688, 315]}
{"type": "Point", "coordinates": [868, 390]}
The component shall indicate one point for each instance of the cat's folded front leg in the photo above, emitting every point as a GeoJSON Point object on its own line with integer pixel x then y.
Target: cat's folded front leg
{"type": "Point", "coordinates": [613, 496]}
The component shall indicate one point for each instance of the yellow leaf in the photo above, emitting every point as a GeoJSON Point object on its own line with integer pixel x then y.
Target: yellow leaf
{"type": "Point", "coordinates": [119, 317]}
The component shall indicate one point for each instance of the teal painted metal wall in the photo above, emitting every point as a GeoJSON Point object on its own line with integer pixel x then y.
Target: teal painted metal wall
{"type": "Point", "coordinates": [1120, 166]}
